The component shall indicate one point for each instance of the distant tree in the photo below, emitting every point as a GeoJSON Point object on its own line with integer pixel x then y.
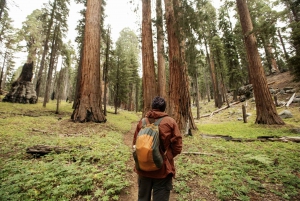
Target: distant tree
{"type": "Point", "coordinates": [236, 73]}
{"type": "Point", "coordinates": [123, 73]}
{"type": "Point", "coordinates": [221, 69]}
{"type": "Point", "coordinates": [88, 106]}
{"type": "Point", "coordinates": [2, 7]}
{"type": "Point", "coordinates": [265, 108]}
{"type": "Point", "coordinates": [9, 41]}
{"type": "Point", "coordinates": [32, 34]}
{"type": "Point", "coordinates": [55, 46]}
{"type": "Point", "coordinates": [293, 9]}
{"type": "Point", "coordinates": [106, 67]}
{"type": "Point", "coordinates": [264, 20]}
{"type": "Point", "coordinates": [45, 46]}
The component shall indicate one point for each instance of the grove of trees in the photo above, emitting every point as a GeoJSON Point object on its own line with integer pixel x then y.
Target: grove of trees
{"type": "Point", "coordinates": [185, 51]}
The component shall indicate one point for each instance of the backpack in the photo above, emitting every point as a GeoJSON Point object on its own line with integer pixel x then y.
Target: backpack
{"type": "Point", "coordinates": [147, 155]}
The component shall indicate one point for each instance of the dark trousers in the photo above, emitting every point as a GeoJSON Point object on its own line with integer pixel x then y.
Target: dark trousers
{"type": "Point", "coordinates": [161, 188]}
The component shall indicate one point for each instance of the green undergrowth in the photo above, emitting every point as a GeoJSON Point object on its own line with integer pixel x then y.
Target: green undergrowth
{"type": "Point", "coordinates": [94, 167]}
{"type": "Point", "coordinates": [234, 170]}
{"type": "Point", "coordinates": [239, 170]}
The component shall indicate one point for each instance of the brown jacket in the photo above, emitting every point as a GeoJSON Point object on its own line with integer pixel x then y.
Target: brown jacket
{"type": "Point", "coordinates": [170, 138]}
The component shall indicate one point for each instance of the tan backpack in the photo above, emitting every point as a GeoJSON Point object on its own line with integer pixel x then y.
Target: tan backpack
{"type": "Point", "coordinates": [147, 155]}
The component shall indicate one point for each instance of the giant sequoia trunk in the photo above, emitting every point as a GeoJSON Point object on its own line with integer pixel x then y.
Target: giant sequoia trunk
{"type": "Point", "coordinates": [265, 108]}
{"type": "Point", "coordinates": [149, 82]}
{"type": "Point", "coordinates": [179, 99]}
{"type": "Point", "coordinates": [88, 103]}
{"type": "Point", "coordinates": [161, 69]}
{"type": "Point", "coordinates": [22, 90]}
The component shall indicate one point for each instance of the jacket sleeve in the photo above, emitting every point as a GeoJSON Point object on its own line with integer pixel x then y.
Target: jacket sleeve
{"type": "Point", "coordinates": [176, 141]}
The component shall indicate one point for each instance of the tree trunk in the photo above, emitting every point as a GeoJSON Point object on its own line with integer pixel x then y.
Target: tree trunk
{"type": "Point", "coordinates": [59, 88]}
{"type": "Point", "coordinates": [213, 75]}
{"type": "Point", "coordinates": [105, 70]}
{"type": "Point", "coordinates": [51, 67]}
{"type": "Point", "coordinates": [180, 100]}
{"type": "Point", "coordinates": [22, 90]}
{"type": "Point", "coordinates": [149, 81]}
{"type": "Point", "coordinates": [88, 106]}
{"type": "Point", "coordinates": [214, 81]}
{"type": "Point", "coordinates": [265, 109]}
{"type": "Point", "coordinates": [2, 81]}
{"type": "Point", "coordinates": [45, 52]}
{"type": "Point", "coordinates": [161, 74]}
{"type": "Point", "coordinates": [116, 98]}
{"type": "Point", "coordinates": [76, 96]}
{"type": "Point", "coordinates": [283, 45]}
{"type": "Point", "coordinates": [197, 96]}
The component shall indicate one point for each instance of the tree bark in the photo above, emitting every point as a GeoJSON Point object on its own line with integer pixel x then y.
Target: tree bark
{"type": "Point", "coordinates": [161, 74]}
{"type": "Point", "coordinates": [179, 100]}
{"type": "Point", "coordinates": [88, 106]}
{"type": "Point", "coordinates": [149, 81]}
{"type": "Point", "coordinates": [265, 109]}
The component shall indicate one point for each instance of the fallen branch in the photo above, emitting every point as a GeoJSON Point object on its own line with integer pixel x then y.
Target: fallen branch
{"type": "Point", "coordinates": [199, 153]}
{"type": "Point", "coordinates": [291, 100]}
{"type": "Point", "coordinates": [218, 110]}
{"type": "Point", "coordinates": [271, 83]}
{"type": "Point", "coordinates": [41, 131]}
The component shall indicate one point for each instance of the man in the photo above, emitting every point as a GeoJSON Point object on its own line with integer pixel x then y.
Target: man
{"type": "Point", "coordinates": [160, 181]}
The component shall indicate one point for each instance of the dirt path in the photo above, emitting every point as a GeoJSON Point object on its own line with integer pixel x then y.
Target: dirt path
{"type": "Point", "coordinates": [131, 193]}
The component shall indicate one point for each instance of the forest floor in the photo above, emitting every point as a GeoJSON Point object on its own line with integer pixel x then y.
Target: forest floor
{"type": "Point", "coordinates": [200, 190]}
{"type": "Point", "coordinates": [277, 81]}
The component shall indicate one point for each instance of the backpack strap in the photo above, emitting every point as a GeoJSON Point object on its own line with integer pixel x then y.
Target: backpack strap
{"type": "Point", "coordinates": [144, 123]}
{"type": "Point", "coordinates": [157, 122]}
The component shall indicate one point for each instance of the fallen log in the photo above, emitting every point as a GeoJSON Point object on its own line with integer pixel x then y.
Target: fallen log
{"type": "Point", "coordinates": [41, 150]}
{"type": "Point", "coordinates": [259, 138]}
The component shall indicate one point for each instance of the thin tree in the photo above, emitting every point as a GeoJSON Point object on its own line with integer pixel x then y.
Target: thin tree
{"type": "Point", "coordinates": [53, 57]}
{"type": "Point", "coordinates": [45, 51]}
{"type": "Point", "coordinates": [265, 108]}
{"type": "Point", "coordinates": [88, 103]}
{"type": "Point", "coordinates": [105, 69]}
{"type": "Point", "coordinates": [149, 81]}
{"type": "Point", "coordinates": [2, 7]}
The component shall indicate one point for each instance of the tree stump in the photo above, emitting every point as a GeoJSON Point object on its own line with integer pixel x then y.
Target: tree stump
{"type": "Point", "coordinates": [22, 90]}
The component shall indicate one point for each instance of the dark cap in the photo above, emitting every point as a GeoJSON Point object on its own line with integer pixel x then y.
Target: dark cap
{"type": "Point", "coordinates": [159, 103]}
